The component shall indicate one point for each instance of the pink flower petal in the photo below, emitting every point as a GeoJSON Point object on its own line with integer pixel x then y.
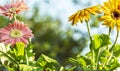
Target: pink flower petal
{"type": "Point", "coordinates": [24, 40]}
{"type": "Point", "coordinates": [19, 6]}
{"type": "Point", "coordinates": [4, 37]}
{"type": "Point", "coordinates": [8, 39]}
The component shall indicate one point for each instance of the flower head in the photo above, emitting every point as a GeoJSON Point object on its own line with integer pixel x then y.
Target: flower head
{"type": "Point", "coordinates": [14, 8]}
{"type": "Point", "coordinates": [15, 32]}
{"type": "Point", "coordinates": [111, 10]}
{"type": "Point", "coordinates": [84, 15]}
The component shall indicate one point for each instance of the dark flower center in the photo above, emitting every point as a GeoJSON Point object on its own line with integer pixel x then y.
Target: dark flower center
{"type": "Point", "coordinates": [116, 15]}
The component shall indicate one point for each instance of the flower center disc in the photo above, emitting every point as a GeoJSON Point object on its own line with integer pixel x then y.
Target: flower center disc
{"type": "Point", "coordinates": [116, 15]}
{"type": "Point", "coordinates": [15, 33]}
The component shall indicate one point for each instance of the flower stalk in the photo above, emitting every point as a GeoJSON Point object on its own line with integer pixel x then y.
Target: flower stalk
{"type": "Point", "coordinates": [26, 57]}
{"type": "Point", "coordinates": [113, 46]}
{"type": "Point", "coordinates": [109, 31]}
{"type": "Point", "coordinates": [89, 33]}
{"type": "Point", "coordinates": [93, 51]}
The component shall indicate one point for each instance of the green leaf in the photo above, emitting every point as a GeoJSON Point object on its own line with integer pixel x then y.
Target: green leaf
{"type": "Point", "coordinates": [19, 51]}
{"type": "Point", "coordinates": [23, 67]}
{"type": "Point", "coordinates": [29, 50]}
{"type": "Point", "coordinates": [48, 59]}
{"type": "Point", "coordinates": [72, 68]}
{"type": "Point", "coordinates": [112, 65]}
{"type": "Point", "coordinates": [83, 61]}
{"type": "Point", "coordinates": [104, 56]}
{"type": "Point", "coordinates": [116, 51]}
{"type": "Point", "coordinates": [62, 69]}
{"type": "Point", "coordinates": [47, 63]}
{"type": "Point", "coordinates": [100, 41]}
{"type": "Point", "coordinates": [50, 67]}
{"type": "Point", "coordinates": [43, 60]}
{"type": "Point", "coordinates": [72, 60]}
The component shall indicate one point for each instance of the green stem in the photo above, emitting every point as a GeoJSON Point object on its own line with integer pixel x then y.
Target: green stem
{"type": "Point", "coordinates": [109, 58]}
{"type": "Point", "coordinates": [9, 57]}
{"type": "Point", "coordinates": [109, 31]}
{"type": "Point", "coordinates": [93, 59]}
{"type": "Point", "coordinates": [15, 17]}
{"type": "Point", "coordinates": [113, 46]}
{"type": "Point", "coordinates": [26, 57]}
{"type": "Point", "coordinates": [114, 42]}
{"type": "Point", "coordinates": [89, 33]}
{"type": "Point", "coordinates": [109, 36]}
{"type": "Point", "coordinates": [93, 52]}
{"type": "Point", "coordinates": [97, 59]}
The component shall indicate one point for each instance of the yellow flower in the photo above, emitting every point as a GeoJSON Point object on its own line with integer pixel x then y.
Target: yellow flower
{"type": "Point", "coordinates": [83, 15]}
{"type": "Point", "coordinates": [111, 10]}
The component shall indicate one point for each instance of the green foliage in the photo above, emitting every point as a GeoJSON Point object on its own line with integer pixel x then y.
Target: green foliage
{"type": "Point", "coordinates": [17, 60]}
{"type": "Point", "coordinates": [47, 59]}
{"type": "Point", "coordinates": [23, 67]}
{"type": "Point", "coordinates": [72, 68]}
{"type": "Point", "coordinates": [99, 58]}
{"type": "Point", "coordinates": [116, 51]}
{"type": "Point", "coordinates": [29, 51]}
{"type": "Point", "coordinates": [18, 51]}
{"type": "Point", "coordinates": [47, 63]}
{"type": "Point", "coordinates": [100, 41]}
{"type": "Point", "coordinates": [83, 61]}
{"type": "Point", "coordinates": [103, 56]}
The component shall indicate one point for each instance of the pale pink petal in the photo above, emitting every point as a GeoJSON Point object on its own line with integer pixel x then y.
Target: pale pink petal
{"type": "Point", "coordinates": [19, 6]}
{"type": "Point", "coordinates": [4, 37]}
{"type": "Point", "coordinates": [7, 6]}
{"type": "Point", "coordinates": [24, 40]}
{"type": "Point", "coordinates": [2, 8]}
{"type": "Point", "coordinates": [9, 39]}
{"type": "Point", "coordinates": [4, 31]}
{"type": "Point", "coordinates": [24, 31]}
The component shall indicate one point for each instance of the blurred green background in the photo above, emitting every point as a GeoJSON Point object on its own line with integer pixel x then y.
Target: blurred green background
{"type": "Point", "coordinates": [53, 34]}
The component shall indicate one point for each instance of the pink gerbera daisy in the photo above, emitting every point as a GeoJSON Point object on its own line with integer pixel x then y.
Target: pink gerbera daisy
{"type": "Point", "coordinates": [15, 32]}
{"type": "Point", "coordinates": [14, 8]}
